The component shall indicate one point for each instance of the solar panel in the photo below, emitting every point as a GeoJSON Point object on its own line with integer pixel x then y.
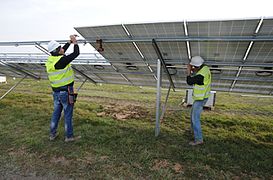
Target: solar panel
{"type": "Point", "coordinates": [262, 52]}
{"type": "Point", "coordinates": [156, 30]}
{"type": "Point", "coordinates": [176, 51]}
{"type": "Point", "coordinates": [267, 28]}
{"type": "Point", "coordinates": [217, 51]}
{"type": "Point", "coordinates": [120, 51]}
{"type": "Point", "coordinates": [99, 73]}
{"type": "Point", "coordinates": [4, 70]}
{"type": "Point", "coordinates": [103, 32]}
{"type": "Point", "coordinates": [222, 28]}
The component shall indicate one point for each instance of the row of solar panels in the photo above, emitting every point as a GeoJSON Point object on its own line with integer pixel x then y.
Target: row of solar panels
{"type": "Point", "coordinates": [137, 74]}
{"type": "Point", "coordinates": [239, 53]}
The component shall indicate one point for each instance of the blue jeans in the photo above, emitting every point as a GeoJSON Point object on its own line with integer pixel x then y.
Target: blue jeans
{"type": "Point", "coordinates": [196, 110]}
{"type": "Point", "coordinates": [61, 103]}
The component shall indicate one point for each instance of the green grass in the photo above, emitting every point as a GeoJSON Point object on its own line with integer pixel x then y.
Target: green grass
{"type": "Point", "coordinates": [238, 136]}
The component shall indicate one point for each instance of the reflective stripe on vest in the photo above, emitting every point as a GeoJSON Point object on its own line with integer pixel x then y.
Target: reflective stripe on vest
{"type": "Point", "coordinates": [201, 92]}
{"type": "Point", "coordinates": [59, 72]}
{"type": "Point", "coordinates": [58, 77]}
{"type": "Point", "coordinates": [62, 80]}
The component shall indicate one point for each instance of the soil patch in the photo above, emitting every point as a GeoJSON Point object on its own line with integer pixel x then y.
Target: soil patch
{"type": "Point", "coordinates": [123, 112]}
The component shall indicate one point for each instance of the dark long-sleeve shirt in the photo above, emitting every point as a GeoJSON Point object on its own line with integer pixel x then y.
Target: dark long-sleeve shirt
{"type": "Point", "coordinates": [65, 60]}
{"type": "Point", "coordinates": [198, 79]}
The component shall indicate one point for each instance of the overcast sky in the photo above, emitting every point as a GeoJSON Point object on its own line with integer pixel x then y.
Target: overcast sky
{"type": "Point", "coordinates": [31, 20]}
{"type": "Point", "coordinates": [56, 19]}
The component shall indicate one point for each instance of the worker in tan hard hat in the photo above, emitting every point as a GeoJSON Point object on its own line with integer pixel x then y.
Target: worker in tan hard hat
{"type": "Point", "coordinates": [61, 77]}
{"type": "Point", "coordinates": [198, 75]}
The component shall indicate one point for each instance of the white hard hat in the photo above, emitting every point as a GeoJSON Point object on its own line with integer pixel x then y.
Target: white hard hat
{"type": "Point", "coordinates": [197, 61]}
{"type": "Point", "coordinates": [52, 45]}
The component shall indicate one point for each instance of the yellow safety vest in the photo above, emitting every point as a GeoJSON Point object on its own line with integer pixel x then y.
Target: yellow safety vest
{"type": "Point", "coordinates": [58, 77]}
{"type": "Point", "coordinates": [201, 92]}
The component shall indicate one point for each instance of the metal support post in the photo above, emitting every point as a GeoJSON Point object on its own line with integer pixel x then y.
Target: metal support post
{"type": "Point", "coordinates": [158, 98]}
{"type": "Point", "coordinates": [81, 85]}
{"type": "Point", "coordinates": [163, 62]}
{"type": "Point", "coordinates": [13, 87]}
{"type": "Point", "coordinates": [165, 104]}
{"type": "Point", "coordinates": [84, 75]}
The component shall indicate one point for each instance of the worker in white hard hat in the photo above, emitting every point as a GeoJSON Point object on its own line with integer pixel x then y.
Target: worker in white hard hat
{"type": "Point", "coordinates": [61, 77]}
{"type": "Point", "coordinates": [198, 75]}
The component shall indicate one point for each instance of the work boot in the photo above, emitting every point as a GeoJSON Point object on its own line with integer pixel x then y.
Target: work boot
{"type": "Point", "coordinates": [195, 143]}
{"type": "Point", "coordinates": [52, 137]}
{"type": "Point", "coordinates": [71, 139]}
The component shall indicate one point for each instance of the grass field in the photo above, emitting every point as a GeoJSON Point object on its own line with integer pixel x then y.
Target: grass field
{"type": "Point", "coordinates": [118, 142]}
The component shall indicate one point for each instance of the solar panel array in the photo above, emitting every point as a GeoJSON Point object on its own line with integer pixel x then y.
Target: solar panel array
{"type": "Point", "coordinates": [19, 64]}
{"type": "Point", "coordinates": [238, 52]}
